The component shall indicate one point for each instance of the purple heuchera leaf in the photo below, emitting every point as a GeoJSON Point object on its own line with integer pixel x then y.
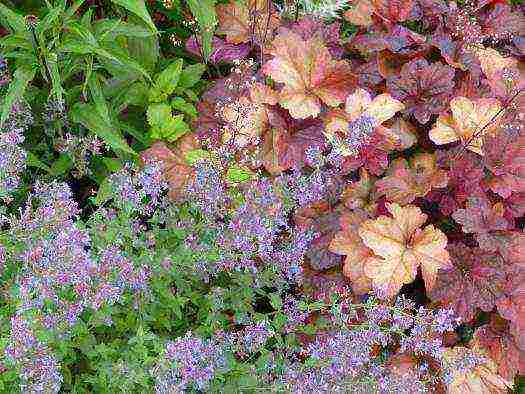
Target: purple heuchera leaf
{"type": "Point", "coordinates": [424, 88]}
{"type": "Point", "coordinates": [222, 51]}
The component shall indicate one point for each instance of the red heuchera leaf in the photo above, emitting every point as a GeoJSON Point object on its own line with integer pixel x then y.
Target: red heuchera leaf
{"type": "Point", "coordinates": [510, 245]}
{"type": "Point", "coordinates": [398, 39]}
{"type": "Point", "coordinates": [310, 27]}
{"type": "Point", "coordinates": [504, 156]}
{"type": "Point", "coordinates": [515, 205]}
{"type": "Point", "coordinates": [456, 53]}
{"type": "Point", "coordinates": [286, 140]}
{"type": "Point", "coordinates": [476, 280]}
{"type": "Point", "coordinates": [222, 52]}
{"type": "Point", "coordinates": [465, 175]}
{"type": "Point", "coordinates": [309, 74]}
{"type": "Point", "coordinates": [424, 88]}
{"type": "Point", "coordinates": [481, 217]}
{"type": "Point", "coordinates": [495, 339]}
{"type": "Point", "coordinates": [368, 75]}
{"type": "Point", "coordinates": [393, 11]}
{"type": "Point", "coordinates": [244, 21]}
{"type": "Point", "coordinates": [405, 181]}
{"type": "Point", "coordinates": [431, 11]}
{"type": "Point", "coordinates": [370, 156]}
{"type": "Point", "coordinates": [512, 305]}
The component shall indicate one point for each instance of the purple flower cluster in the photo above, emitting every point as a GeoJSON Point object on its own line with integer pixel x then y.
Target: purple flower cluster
{"type": "Point", "coordinates": [305, 189]}
{"type": "Point", "coordinates": [12, 155]}
{"type": "Point", "coordinates": [207, 189]}
{"type": "Point", "coordinates": [249, 340]}
{"type": "Point", "coordinates": [61, 275]}
{"type": "Point", "coordinates": [39, 370]}
{"type": "Point", "coordinates": [138, 190]}
{"type": "Point", "coordinates": [4, 72]}
{"type": "Point", "coordinates": [189, 362]}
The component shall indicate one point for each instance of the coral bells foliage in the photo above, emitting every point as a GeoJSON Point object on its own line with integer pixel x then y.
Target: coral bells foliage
{"type": "Point", "coordinates": [397, 154]}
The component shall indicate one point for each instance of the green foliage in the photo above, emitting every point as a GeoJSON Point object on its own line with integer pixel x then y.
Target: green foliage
{"type": "Point", "coordinates": [173, 80]}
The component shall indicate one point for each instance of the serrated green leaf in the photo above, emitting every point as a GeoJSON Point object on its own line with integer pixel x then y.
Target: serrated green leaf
{"type": "Point", "coordinates": [165, 126]}
{"type": "Point", "coordinates": [183, 106]}
{"type": "Point", "coordinates": [166, 82]}
{"type": "Point", "coordinates": [236, 174]}
{"type": "Point", "coordinates": [21, 78]}
{"type": "Point", "coordinates": [195, 155]}
{"type": "Point", "coordinates": [191, 75]}
{"type": "Point", "coordinates": [138, 8]}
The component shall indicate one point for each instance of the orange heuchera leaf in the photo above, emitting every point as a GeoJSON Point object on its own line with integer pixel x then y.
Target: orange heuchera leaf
{"type": "Point", "coordinates": [482, 379]}
{"type": "Point", "coordinates": [309, 74]}
{"type": "Point", "coordinates": [350, 129]}
{"type": "Point", "coordinates": [407, 180]}
{"type": "Point", "coordinates": [239, 20]}
{"type": "Point", "coordinates": [244, 121]}
{"type": "Point", "coordinates": [391, 11]}
{"type": "Point", "coordinates": [348, 243]}
{"type": "Point", "coordinates": [176, 169]}
{"type": "Point", "coordinates": [360, 13]}
{"type": "Point", "coordinates": [401, 247]}
{"type": "Point", "coordinates": [399, 135]}
{"type": "Point", "coordinates": [360, 194]}
{"type": "Point", "coordinates": [468, 119]}
{"type": "Point", "coordinates": [503, 74]}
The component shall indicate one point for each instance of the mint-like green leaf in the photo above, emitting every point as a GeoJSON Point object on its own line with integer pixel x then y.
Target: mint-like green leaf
{"type": "Point", "coordinates": [191, 75]}
{"type": "Point", "coordinates": [237, 174]}
{"type": "Point", "coordinates": [166, 82]}
{"type": "Point", "coordinates": [165, 126]}
{"type": "Point", "coordinates": [181, 105]}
